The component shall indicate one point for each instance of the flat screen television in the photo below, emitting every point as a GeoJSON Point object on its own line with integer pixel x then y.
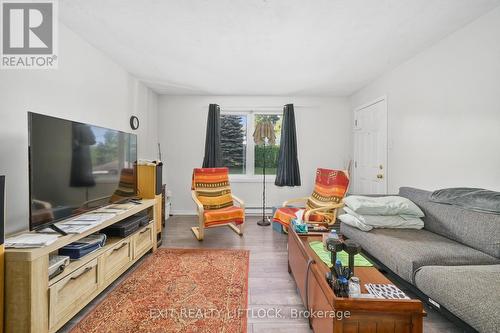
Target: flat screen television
{"type": "Point", "coordinates": [75, 168]}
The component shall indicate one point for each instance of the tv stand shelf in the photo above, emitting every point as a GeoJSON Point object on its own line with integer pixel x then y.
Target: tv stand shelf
{"type": "Point", "coordinates": [35, 304]}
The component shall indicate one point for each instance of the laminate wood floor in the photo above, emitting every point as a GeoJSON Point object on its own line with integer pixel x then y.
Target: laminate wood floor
{"type": "Point", "coordinates": [270, 285]}
{"type": "Point", "coordinates": [271, 289]}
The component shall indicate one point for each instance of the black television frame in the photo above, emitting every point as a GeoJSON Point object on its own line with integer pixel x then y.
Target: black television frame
{"type": "Point", "coordinates": [2, 209]}
{"type": "Point", "coordinates": [51, 224]}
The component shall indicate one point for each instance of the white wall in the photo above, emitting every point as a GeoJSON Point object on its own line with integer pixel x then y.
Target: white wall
{"type": "Point", "coordinates": [145, 107]}
{"type": "Point", "coordinates": [444, 111]}
{"type": "Point", "coordinates": [323, 135]}
{"type": "Point", "coordinates": [87, 87]}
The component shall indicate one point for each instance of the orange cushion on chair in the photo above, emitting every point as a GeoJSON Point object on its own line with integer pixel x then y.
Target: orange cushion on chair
{"type": "Point", "coordinates": [212, 187]}
{"type": "Point", "coordinates": [330, 188]}
{"type": "Point", "coordinates": [284, 216]}
{"type": "Point", "coordinates": [224, 215]}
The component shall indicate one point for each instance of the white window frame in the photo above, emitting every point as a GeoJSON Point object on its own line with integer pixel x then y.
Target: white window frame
{"type": "Point", "coordinates": [249, 176]}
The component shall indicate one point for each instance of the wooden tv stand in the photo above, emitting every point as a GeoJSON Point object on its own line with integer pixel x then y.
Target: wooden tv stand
{"type": "Point", "coordinates": [330, 311]}
{"type": "Point", "coordinates": [35, 304]}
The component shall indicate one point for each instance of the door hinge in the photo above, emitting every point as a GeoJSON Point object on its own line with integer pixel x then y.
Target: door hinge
{"type": "Point", "coordinates": [355, 164]}
{"type": "Point", "coordinates": [356, 123]}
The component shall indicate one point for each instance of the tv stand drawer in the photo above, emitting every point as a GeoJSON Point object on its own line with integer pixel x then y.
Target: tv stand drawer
{"type": "Point", "coordinates": [68, 294]}
{"type": "Point", "coordinates": [116, 259]}
{"type": "Point", "coordinates": [143, 240]}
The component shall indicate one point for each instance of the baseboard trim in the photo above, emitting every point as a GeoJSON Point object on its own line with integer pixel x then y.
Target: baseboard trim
{"type": "Point", "coordinates": [248, 212]}
{"type": "Point", "coordinates": [183, 212]}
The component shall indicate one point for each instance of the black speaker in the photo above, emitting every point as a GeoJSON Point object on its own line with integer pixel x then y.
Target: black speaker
{"type": "Point", "coordinates": [2, 209]}
{"type": "Point", "coordinates": [159, 173]}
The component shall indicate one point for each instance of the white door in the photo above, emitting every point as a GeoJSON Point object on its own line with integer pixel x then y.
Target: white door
{"type": "Point", "coordinates": [370, 148]}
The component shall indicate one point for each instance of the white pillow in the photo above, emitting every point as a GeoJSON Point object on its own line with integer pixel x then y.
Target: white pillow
{"type": "Point", "coordinates": [390, 205]}
{"type": "Point", "coordinates": [354, 222]}
{"type": "Point", "coordinates": [368, 222]}
{"type": "Point", "coordinates": [393, 222]}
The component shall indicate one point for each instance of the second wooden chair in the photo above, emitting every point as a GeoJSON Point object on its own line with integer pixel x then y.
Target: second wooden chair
{"type": "Point", "coordinates": [321, 207]}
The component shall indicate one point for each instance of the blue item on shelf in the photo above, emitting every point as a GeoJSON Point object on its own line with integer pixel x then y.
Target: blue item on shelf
{"type": "Point", "coordinates": [84, 246]}
{"type": "Point", "coordinates": [300, 228]}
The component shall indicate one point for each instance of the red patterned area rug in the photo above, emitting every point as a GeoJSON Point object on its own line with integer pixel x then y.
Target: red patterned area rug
{"type": "Point", "coordinates": [177, 290]}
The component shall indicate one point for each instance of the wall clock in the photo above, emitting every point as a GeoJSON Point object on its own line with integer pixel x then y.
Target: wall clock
{"type": "Point", "coordinates": [134, 122]}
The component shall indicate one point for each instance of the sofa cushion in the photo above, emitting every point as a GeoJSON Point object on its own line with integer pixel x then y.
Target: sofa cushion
{"type": "Point", "coordinates": [469, 292]}
{"type": "Point", "coordinates": [404, 250]}
{"type": "Point", "coordinates": [478, 230]}
{"type": "Point", "coordinates": [477, 199]}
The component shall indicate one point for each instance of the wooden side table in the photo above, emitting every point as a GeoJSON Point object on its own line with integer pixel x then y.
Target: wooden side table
{"type": "Point", "coordinates": [330, 313]}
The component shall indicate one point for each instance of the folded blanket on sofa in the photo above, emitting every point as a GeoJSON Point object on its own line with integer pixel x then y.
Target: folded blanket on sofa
{"type": "Point", "coordinates": [366, 213]}
{"type": "Point", "coordinates": [476, 199]}
{"type": "Point", "coordinates": [387, 206]}
{"type": "Point", "coordinates": [368, 222]}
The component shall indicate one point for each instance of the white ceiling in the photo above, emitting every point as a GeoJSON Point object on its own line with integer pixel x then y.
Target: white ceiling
{"type": "Point", "coordinates": [265, 47]}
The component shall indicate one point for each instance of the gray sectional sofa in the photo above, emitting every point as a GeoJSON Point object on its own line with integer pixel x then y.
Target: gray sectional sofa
{"type": "Point", "coordinates": [454, 262]}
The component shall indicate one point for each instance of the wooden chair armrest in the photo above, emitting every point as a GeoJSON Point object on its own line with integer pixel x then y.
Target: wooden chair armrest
{"type": "Point", "coordinates": [296, 200]}
{"type": "Point", "coordinates": [320, 209]}
{"type": "Point", "coordinates": [240, 202]}
{"type": "Point", "coordinates": [197, 202]}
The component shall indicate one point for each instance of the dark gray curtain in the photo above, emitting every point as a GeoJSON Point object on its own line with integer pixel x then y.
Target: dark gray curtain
{"type": "Point", "coordinates": [288, 173]}
{"type": "Point", "coordinates": [213, 152]}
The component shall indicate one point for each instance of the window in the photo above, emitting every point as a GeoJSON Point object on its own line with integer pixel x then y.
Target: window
{"type": "Point", "coordinates": [234, 142]}
{"type": "Point", "coordinates": [239, 151]}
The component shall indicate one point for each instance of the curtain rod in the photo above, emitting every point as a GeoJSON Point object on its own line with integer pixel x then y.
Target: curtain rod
{"type": "Point", "coordinates": [259, 108]}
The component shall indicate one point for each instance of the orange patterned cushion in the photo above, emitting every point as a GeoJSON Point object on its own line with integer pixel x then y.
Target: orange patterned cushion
{"type": "Point", "coordinates": [284, 216]}
{"type": "Point", "coordinates": [212, 187]}
{"type": "Point", "coordinates": [330, 188]}
{"type": "Point", "coordinates": [222, 216]}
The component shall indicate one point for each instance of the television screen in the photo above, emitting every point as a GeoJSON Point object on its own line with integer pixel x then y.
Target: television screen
{"type": "Point", "coordinates": [75, 168]}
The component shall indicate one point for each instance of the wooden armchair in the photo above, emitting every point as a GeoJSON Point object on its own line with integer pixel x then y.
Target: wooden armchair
{"type": "Point", "coordinates": [321, 207]}
{"type": "Point", "coordinates": [215, 202]}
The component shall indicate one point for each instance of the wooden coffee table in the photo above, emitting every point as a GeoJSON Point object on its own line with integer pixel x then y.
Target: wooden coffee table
{"type": "Point", "coordinates": [330, 313]}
